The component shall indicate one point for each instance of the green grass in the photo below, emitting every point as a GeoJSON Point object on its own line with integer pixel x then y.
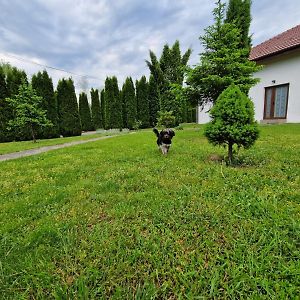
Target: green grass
{"type": "Point", "coordinates": [27, 145]}
{"type": "Point", "coordinates": [115, 219]}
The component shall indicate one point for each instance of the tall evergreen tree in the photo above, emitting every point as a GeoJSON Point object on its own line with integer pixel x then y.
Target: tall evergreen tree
{"type": "Point", "coordinates": [42, 84]}
{"type": "Point", "coordinates": [96, 109]}
{"type": "Point", "coordinates": [113, 103]}
{"type": "Point", "coordinates": [85, 113]}
{"type": "Point", "coordinates": [103, 107]}
{"type": "Point", "coordinates": [5, 110]}
{"type": "Point", "coordinates": [239, 13]}
{"type": "Point", "coordinates": [129, 104]}
{"type": "Point", "coordinates": [169, 70]}
{"type": "Point", "coordinates": [167, 102]}
{"type": "Point", "coordinates": [122, 99]}
{"type": "Point", "coordinates": [14, 78]}
{"type": "Point", "coordinates": [142, 100]}
{"type": "Point", "coordinates": [108, 97]}
{"type": "Point", "coordinates": [222, 63]}
{"type": "Point", "coordinates": [153, 96]}
{"type": "Point", "coordinates": [116, 112]}
{"type": "Point", "coordinates": [69, 119]}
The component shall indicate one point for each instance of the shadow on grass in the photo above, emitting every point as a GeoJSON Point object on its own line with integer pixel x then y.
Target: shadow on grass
{"type": "Point", "coordinates": [240, 160]}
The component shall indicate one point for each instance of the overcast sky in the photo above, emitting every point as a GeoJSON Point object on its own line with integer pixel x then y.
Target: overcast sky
{"type": "Point", "coordinates": [100, 38]}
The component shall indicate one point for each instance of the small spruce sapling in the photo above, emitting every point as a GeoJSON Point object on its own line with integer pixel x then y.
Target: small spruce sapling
{"type": "Point", "coordinates": [232, 121]}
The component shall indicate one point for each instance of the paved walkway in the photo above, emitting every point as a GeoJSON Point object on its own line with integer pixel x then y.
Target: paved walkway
{"type": "Point", "coordinates": [30, 152]}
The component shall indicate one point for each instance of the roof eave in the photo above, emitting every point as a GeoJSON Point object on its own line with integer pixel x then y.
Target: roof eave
{"type": "Point", "coordinates": [274, 53]}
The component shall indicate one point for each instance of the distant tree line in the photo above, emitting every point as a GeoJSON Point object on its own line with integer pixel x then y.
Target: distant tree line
{"type": "Point", "coordinates": [136, 105]}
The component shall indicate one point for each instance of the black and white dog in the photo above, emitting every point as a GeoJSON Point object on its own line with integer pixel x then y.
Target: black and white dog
{"type": "Point", "coordinates": [164, 139]}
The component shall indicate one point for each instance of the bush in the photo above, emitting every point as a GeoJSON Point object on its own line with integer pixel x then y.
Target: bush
{"type": "Point", "coordinates": [232, 121]}
{"type": "Point", "coordinates": [29, 116]}
{"type": "Point", "coordinates": [166, 119]}
{"type": "Point", "coordinates": [179, 127]}
{"type": "Point", "coordinates": [137, 124]}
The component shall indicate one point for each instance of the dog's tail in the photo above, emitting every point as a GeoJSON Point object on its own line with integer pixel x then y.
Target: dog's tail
{"type": "Point", "coordinates": [156, 132]}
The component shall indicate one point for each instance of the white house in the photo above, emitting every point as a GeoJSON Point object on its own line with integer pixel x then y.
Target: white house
{"type": "Point", "coordinates": [277, 96]}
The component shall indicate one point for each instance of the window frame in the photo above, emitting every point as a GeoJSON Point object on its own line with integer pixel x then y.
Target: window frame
{"type": "Point", "coordinates": [273, 89]}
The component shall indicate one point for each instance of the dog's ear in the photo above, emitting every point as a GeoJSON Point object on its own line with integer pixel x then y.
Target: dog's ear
{"type": "Point", "coordinates": [156, 132]}
{"type": "Point", "coordinates": [172, 133]}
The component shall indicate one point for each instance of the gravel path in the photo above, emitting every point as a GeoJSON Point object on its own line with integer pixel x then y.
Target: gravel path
{"type": "Point", "coordinates": [30, 152]}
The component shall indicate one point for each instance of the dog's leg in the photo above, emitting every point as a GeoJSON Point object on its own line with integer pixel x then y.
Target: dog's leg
{"type": "Point", "coordinates": [164, 149]}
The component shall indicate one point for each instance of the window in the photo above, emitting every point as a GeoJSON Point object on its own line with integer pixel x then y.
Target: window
{"type": "Point", "coordinates": [276, 100]}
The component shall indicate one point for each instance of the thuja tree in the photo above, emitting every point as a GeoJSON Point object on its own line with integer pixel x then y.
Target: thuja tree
{"type": "Point", "coordinates": [129, 104]}
{"type": "Point", "coordinates": [167, 71]}
{"type": "Point", "coordinates": [106, 99]}
{"type": "Point", "coordinates": [142, 100]}
{"type": "Point", "coordinates": [42, 84]}
{"type": "Point", "coordinates": [4, 109]}
{"type": "Point", "coordinates": [239, 13]}
{"type": "Point", "coordinates": [96, 109]}
{"type": "Point", "coordinates": [103, 106]}
{"type": "Point", "coordinates": [232, 121]}
{"type": "Point", "coordinates": [222, 63]}
{"type": "Point", "coordinates": [153, 97]}
{"type": "Point", "coordinates": [28, 111]}
{"type": "Point", "coordinates": [116, 105]}
{"type": "Point", "coordinates": [69, 119]}
{"type": "Point", "coordinates": [14, 78]}
{"type": "Point", "coordinates": [113, 110]}
{"type": "Point", "coordinates": [85, 113]}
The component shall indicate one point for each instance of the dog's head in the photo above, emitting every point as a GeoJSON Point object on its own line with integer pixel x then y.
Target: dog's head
{"type": "Point", "coordinates": [167, 135]}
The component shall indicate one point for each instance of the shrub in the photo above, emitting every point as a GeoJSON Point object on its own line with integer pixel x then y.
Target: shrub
{"type": "Point", "coordinates": [232, 121]}
{"type": "Point", "coordinates": [179, 127]}
{"type": "Point", "coordinates": [137, 125]}
{"type": "Point", "coordinates": [29, 114]}
{"type": "Point", "coordinates": [166, 119]}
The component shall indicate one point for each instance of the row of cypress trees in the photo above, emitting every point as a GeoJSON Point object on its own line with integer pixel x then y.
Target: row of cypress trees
{"type": "Point", "coordinates": [129, 106]}
{"type": "Point", "coordinates": [137, 104]}
{"type": "Point", "coordinates": [61, 105]}
{"type": "Point", "coordinates": [134, 105]}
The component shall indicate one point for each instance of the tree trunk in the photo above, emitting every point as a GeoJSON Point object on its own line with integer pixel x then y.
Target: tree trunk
{"type": "Point", "coordinates": [230, 152]}
{"type": "Point", "coordinates": [32, 133]}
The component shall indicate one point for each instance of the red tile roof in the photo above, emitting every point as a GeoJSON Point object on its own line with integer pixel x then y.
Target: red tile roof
{"type": "Point", "coordinates": [282, 42]}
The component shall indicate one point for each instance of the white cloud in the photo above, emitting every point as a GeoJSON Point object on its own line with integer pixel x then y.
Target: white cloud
{"type": "Point", "coordinates": [104, 38]}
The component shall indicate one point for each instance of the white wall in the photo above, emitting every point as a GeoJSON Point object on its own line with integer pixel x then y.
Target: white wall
{"type": "Point", "coordinates": [284, 68]}
{"type": "Point", "coordinates": [202, 115]}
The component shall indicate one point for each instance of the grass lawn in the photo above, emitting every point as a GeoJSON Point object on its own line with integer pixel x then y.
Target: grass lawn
{"type": "Point", "coordinates": [26, 145]}
{"type": "Point", "coordinates": [115, 219]}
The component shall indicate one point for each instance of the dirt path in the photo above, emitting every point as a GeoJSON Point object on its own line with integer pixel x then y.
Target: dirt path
{"type": "Point", "coordinates": [30, 152]}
